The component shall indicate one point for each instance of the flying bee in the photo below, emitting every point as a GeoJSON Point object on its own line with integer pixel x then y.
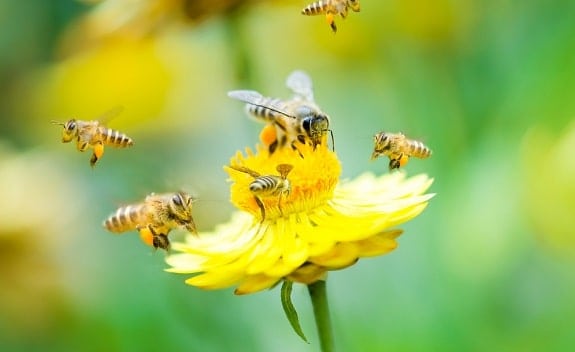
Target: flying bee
{"type": "Point", "coordinates": [154, 218]}
{"type": "Point", "coordinates": [398, 148]}
{"type": "Point", "coordinates": [268, 185]}
{"type": "Point", "coordinates": [94, 134]}
{"type": "Point", "coordinates": [331, 8]}
{"type": "Point", "coordinates": [296, 120]}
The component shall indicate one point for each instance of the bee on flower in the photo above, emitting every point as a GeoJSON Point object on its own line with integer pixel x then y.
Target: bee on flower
{"type": "Point", "coordinates": [294, 121]}
{"type": "Point", "coordinates": [326, 224]}
{"type": "Point", "coordinates": [268, 185]}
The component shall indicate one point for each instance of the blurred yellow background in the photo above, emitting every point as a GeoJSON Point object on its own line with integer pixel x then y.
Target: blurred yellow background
{"type": "Point", "coordinates": [488, 85]}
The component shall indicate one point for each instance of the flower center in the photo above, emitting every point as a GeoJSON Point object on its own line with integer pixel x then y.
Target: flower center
{"type": "Point", "coordinates": [262, 187]}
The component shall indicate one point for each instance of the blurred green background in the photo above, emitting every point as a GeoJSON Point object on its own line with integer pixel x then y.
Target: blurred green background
{"type": "Point", "coordinates": [488, 85]}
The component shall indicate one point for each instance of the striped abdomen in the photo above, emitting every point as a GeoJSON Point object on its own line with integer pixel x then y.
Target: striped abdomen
{"type": "Point", "coordinates": [114, 138]}
{"type": "Point", "coordinates": [261, 110]}
{"type": "Point", "coordinates": [418, 149]}
{"type": "Point", "coordinates": [126, 218]}
{"type": "Point", "coordinates": [317, 8]}
{"type": "Point", "coordinates": [269, 185]}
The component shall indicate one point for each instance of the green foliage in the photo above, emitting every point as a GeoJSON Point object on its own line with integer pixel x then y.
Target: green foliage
{"type": "Point", "coordinates": [289, 309]}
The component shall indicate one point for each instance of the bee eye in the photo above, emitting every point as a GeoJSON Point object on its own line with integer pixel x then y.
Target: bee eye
{"type": "Point", "coordinates": [177, 200]}
{"type": "Point", "coordinates": [71, 125]}
{"type": "Point", "coordinates": [306, 124]}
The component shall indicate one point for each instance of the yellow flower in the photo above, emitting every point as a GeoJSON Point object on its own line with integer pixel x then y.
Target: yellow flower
{"type": "Point", "coordinates": [323, 224]}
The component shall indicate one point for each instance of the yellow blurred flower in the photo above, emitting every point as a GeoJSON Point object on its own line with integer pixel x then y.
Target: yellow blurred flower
{"type": "Point", "coordinates": [548, 187]}
{"type": "Point", "coordinates": [141, 18]}
{"type": "Point", "coordinates": [35, 223]}
{"type": "Point", "coordinates": [323, 224]}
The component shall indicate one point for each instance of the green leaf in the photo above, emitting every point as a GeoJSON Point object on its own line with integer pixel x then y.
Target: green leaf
{"type": "Point", "coordinates": [289, 309]}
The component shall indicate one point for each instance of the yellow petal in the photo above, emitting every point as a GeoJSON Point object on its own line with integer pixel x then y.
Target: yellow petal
{"type": "Point", "coordinates": [214, 281]}
{"type": "Point", "coordinates": [255, 283]}
{"type": "Point", "coordinates": [307, 274]}
{"type": "Point", "coordinates": [342, 255]}
{"type": "Point", "coordinates": [378, 244]}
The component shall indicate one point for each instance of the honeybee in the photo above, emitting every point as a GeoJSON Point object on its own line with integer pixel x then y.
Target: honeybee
{"type": "Point", "coordinates": [268, 185]}
{"type": "Point", "coordinates": [331, 8]}
{"type": "Point", "coordinates": [398, 148]}
{"type": "Point", "coordinates": [154, 218]}
{"type": "Point", "coordinates": [94, 134]}
{"type": "Point", "coordinates": [296, 120]}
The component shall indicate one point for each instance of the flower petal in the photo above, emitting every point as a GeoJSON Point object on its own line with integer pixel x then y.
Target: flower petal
{"type": "Point", "coordinates": [255, 283]}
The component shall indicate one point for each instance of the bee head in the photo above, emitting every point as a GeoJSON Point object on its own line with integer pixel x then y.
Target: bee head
{"type": "Point", "coordinates": [70, 129]}
{"type": "Point", "coordinates": [180, 206]}
{"type": "Point", "coordinates": [382, 144]}
{"type": "Point", "coordinates": [316, 126]}
{"type": "Point", "coordinates": [381, 141]}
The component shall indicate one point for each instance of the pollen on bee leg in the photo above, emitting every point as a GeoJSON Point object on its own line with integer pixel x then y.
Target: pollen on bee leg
{"type": "Point", "coordinates": [329, 18]}
{"type": "Point", "coordinates": [403, 160]}
{"type": "Point", "coordinates": [268, 135]}
{"type": "Point", "coordinates": [146, 235]}
{"type": "Point", "coordinates": [99, 150]}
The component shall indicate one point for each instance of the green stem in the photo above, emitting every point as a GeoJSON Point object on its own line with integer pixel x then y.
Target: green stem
{"type": "Point", "coordinates": [318, 294]}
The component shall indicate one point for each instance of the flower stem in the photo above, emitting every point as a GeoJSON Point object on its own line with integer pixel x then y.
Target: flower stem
{"type": "Point", "coordinates": [318, 293]}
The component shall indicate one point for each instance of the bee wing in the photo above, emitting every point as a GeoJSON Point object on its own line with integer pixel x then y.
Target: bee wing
{"type": "Point", "coordinates": [245, 170]}
{"type": "Point", "coordinates": [247, 96]}
{"type": "Point", "coordinates": [254, 98]}
{"type": "Point", "coordinates": [300, 83]}
{"type": "Point", "coordinates": [109, 115]}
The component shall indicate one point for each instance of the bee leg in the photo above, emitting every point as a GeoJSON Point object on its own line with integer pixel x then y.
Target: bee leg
{"type": "Point", "coordinates": [153, 239]}
{"type": "Point", "coordinates": [273, 146]}
{"type": "Point", "coordinates": [262, 207]}
{"type": "Point", "coordinates": [343, 13]}
{"type": "Point", "coordinates": [99, 149]}
{"type": "Point", "coordinates": [280, 204]}
{"type": "Point", "coordinates": [146, 235]}
{"type": "Point", "coordinates": [268, 135]}
{"type": "Point", "coordinates": [403, 159]}
{"type": "Point", "coordinates": [331, 22]}
{"type": "Point", "coordinates": [394, 164]}
{"type": "Point", "coordinates": [294, 147]}
{"type": "Point", "coordinates": [81, 146]}
{"type": "Point", "coordinates": [97, 154]}
{"type": "Point", "coordinates": [159, 240]}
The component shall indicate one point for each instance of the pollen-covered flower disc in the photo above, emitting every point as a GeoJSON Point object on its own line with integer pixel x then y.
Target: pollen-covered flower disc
{"type": "Point", "coordinates": [322, 224]}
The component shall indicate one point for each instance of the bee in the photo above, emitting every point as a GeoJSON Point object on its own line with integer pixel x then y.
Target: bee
{"type": "Point", "coordinates": [398, 148]}
{"type": "Point", "coordinates": [268, 185]}
{"type": "Point", "coordinates": [296, 120]}
{"type": "Point", "coordinates": [94, 134]}
{"type": "Point", "coordinates": [331, 8]}
{"type": "Point", "coordinates": [154, 218]}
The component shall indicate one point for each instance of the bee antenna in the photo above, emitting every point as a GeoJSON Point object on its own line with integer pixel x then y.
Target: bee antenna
{"type": "Point", "coordinates": [54, 122]}
{"type": "Point", "coordinates": [332, 141]}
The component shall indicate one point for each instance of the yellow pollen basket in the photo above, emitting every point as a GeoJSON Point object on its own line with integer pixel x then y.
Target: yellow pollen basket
{"type": "Point", "coordinates": [99, 150]}
{"type": "Point", "coordinates": [312, 179]}
{"type": "Point", "coordinates": [146, 236]}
